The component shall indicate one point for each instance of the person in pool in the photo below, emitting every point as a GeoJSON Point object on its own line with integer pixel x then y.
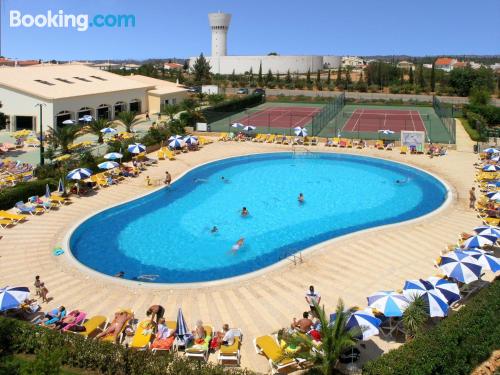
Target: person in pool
{"type": "Point", "coordinates": [237, 245]}
{"type": "Point", "coordinates": [244, 212]}
{"type": "Point", "coordinates": [214, 229]}
{"type": "Point", "coordinates": [404, 181]}
{"type": "Point", "coordinates": [120, 274]}
{"type": "Point", "coordinates": [301, 198]}
{"type": "Point", "coordinates": [225, 180]}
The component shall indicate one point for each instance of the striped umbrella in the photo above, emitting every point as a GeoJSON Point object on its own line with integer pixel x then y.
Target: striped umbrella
{"type": "Point", "coordinates": [79, 174]}
{"type": "Point", "coordinates": [487, 230]}
{"type": "Point", "coordinates": [47, 191]}
{"type": "Point", "coordinates": [386, 131]}
{"type": "Point", "coordinates": [113, 156]}
{"type": "Point", "coordinates": [362, 320]}
{"type": "Point", "coordinates": [249, 128]}
{"type": "Point", "coordinates": [136, 148]}
{"type": "Point", "coordinates": [491, 150]}
{"type": "Point", "coordinates": [388, 303]}
{"type": "Point", "coordinates": [485, 259]}
{"type": "Point", "coordinates": [491, 168]}
{"type": "Point", "coordinates": [237, 125]}
{"type": "Point", "coordinates": [12, 297]}
{"type": "Point", "coordinates": [191, 140]}
{"type": "Point", "coordinates": [108, 131]}
{"type": "Point", "coordinates": [176, 143]}
{"type": "Point", "coordinates": [460, 266]}
{"type": "Point", "coordinates": [479, 240]}
{"type": "Point", "coordinates": [435, 302]}
{"type": "Point", "coordinates": [108, 165]}
{"type": "Point", "coordinates": [182, 328]}
{"type": "Point", "coordinates": [495, 158]}
{"type": "Point", "coordinates": [86, 118]}
{"type": "Point", "coordinates": [173, 137]}
{"type": "Point", "coordinates": [494, 195]}
{"type": "Point", "coordinates": [449, 289]}
{"type": "Point", "coordinates": [300, 132]}
{"type": "Point", "coordinates": [60, 187]}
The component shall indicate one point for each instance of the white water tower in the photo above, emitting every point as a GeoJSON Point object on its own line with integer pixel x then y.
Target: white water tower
{"type": "Point", "coordinates": [219, 23]}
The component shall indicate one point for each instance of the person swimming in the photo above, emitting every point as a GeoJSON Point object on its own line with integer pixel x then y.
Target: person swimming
{"type": "Point", "coordinates": [214, 229]}
{"type": "Point", "coordinates": [225, 180]}
{"type": "Point", "coordinates": [200, 180]}
{"type": "Point", "coordinates": [301, 198]}
{"type": "Point", "coordinates": [404, 181]}
{"type": "Point", "coordinates": [244, 212]}
{"type": "Point", "coordinates": [237, 245]}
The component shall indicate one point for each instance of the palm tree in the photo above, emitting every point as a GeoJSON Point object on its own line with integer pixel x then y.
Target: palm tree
{"type": "Point", "coordinates": [414, 317]}
{"type": "Point", "coordinates": [96, 126]}
{"type": "Point", "coordinates": [63, 136]}
{"type": "Point", "coordinates": [171, 110]}
{"type": "Point", "coordinates": [335, 339]}
{"type": "Point", "coordinates": [128, 119]}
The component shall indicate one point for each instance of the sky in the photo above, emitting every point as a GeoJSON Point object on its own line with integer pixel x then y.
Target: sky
{"type": "Point", "coordinates": [168, 28]}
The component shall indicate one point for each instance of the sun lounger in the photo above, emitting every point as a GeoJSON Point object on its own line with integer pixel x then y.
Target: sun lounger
{"type": "Point", "coordinates": [14, 217]}
{"type": "Point", "coordinates": [404, 149]}
{"type": "Point", "coordinates": [172, 325]}
{"type": "Point", "coordinates": [55, 319]}
{"type": "Point", "coordinates": [59, 200]}
{"type": "Point", "coordinates": [271, 139]}
{"type": "Point", "coordinates": [223, 137]}
{"type": "Point", "coordinates": [268, 347]}
{"type": "Point", "coordinates": [143, 335]}
{"type": "Point", "coordinates": [78, 320]}
{"type": "Point", "coordinates": [4, 223]}
{"type": "Point", "coordinates": [379, 145]}
{"type": "Point", "coordinates": [24, 209]}
{"type": "Point", "coordinates": [117, 335]}
{"type": "Point", "coordinates": [93, 326]}
{"type": "Point", "coordinates": [231, 353]}
{"type": "Point", "coordinates": [314, 141]}
{"type": "Point", "coordinates": [201, 350]}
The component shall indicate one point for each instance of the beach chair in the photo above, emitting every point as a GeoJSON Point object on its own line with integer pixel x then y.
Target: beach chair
{"type": "Point", "coordinates": [201, 350]}
{"type": "Point", "coordinates": [404, 149]}
{"type": "Point", "coordinates": [24, 209]}
{"type": "Point", "coordinates": [348, 143]}
{"type": "Point", "coordinates": [286, 141]}
{"type": "Point", "coordinates": [307, 141]}
{"type": "Point", "coordinates": [268, 347]}
{"type": "Point", "coordinates": [343, 143]}
{"type": "Point", "coordinates": [118, 335]}
{"type": "Point", "coordinates": [379, 145]}
{"type": "Point", "coordinates": [161, 154]}
{"type": "Point", "coordinates": [4, 223]}
{"type": "Point", "coordinates": [231, 353]}
{"type": "Point", "coordinates": [171, 324]}
{"type": "Point", "coordinates": [314, 141]}
{"type": "Point", "coordinates": [78, 321]}
{"type": "Point", "coordinates": [271, 139]}
{"type": "Point", "coordinates": [142, 336]}
{"type": "Point", "coordinates": [59, 200]}
{"type": "Point", "coordinates": [389, 146]}
{"type": "Point", "coordinates": [420, 149]}
{"type": "Point", "coordinates": [360, 144]}
{"type": "Point", "coordinates": [14, 217]}
{"type": "Point", "coordinates": [93, 326]}
{"type": "Point", "coordinates": [223, 137]}
{"type": "Point", "coordinates": [169, 154]}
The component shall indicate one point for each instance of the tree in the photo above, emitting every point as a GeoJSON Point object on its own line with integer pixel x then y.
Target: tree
{"type": "Point", "coordinates": [63, 136]}
{"type": "Point", "coordinates": [185, 66]}
{"type": "Point", "coordinates": [308, 76]}
{"type": "Point", "coordinates": [348, 79]}
{"type": "Point", "coordinates": [433, 78]}
{"type": "Point", "coordinates": [414, 317]}
{"type": "Point", "coordinates": [479, 96]}
{"type": "Point", "coordinates": [128, 119]}
{"type": "Point", "coordinates": [328, 78]}
{"type": "Point", "coordinates": [379, 73]}
{"type": "Point", "coordinates": [171, 110]}
{"type": "Point", "coordinates": [215, 98]}
{"type": "Point", "coordinates": [201, 71]}
{"type": "Point", "coordinates": [259, 77]}
{"type": "Point", "coordinates": [420, 76]}
{"type": "Point", "coordinates": [402, 79]}
{"type": "Point", "coordinates": [338, 81]}
{"type": "Point", "coordinates": [269, 77]}
{"type": "Point", "coordinates": [278, 77]}
{"type": "Point", "coordinates": [318, 77]}
{"type": "Point", "coordinates": [288, 77]}
{"type": "Point", "coordinates": [335, 338]}
{"type": "Point", "coordinates": [96, 126]}
{"type": "Point", "coordinates": [232, 78]}
{"type": "Point", "coordinates": [411, 80]}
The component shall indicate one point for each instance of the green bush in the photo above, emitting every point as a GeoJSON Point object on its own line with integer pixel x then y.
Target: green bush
{"type": "Point", "coordinates": [219, 111]}
{"type": "Point", "coordinates": [455, 346]}
{"type": "Point", "coordinates": [473, 133]}
{"type": "Point", "coordinates": [490, 113]}
{"type": "Point", "coordinates": [74, 351]}
{"type": "Point", "coordinates": [23, 190]}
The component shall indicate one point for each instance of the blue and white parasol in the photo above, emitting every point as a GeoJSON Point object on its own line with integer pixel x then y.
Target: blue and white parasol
{"type": "Point", "coordinates": [493, 196]}
{"type": "Point", "coordinates": [486, 259]}
{"type": "Point", "coordinates": [479, 240]}
{"type": "Point", "coordinates": [113, 156]}
{"type": "Point", "coordinates": [362, 320]}
{"type": "Point", "coordinates": [47, 191]}
{"type": "Point", "coordinates": [136, 148]}
{"type": "Point", "coordinates": [176, 143]}
{"type": "Point", "coordinates": [491, 150]}
{"type": "Point", "coordinates": [191, 140]}
{"type": "Point", "coordinates": [388, 303]}
{"type": "Point", "coordinates": [177, 136]}
{"type": "Point", "coordinates": [60, 187]}
{"type": "Point", "coordinates": [460, 266]}
{"type": "Point", "coordinates": [79, 174]}
{"type": "Point", "coordinates": [182, 328]}
{"type": "Point", "coordinates": [68, 122]}
{"type": "Point", "coordinates": [487, 230]}
{"type": "Point", "coordinates": [435, 301]}
{"type": "Point", "coordinates": [447, 288]}
{"type": "Point", "coordinates": [108, 131]}
{"type": "Point", "coordinates": [12, 297]}
{"type": "Point", "coordinates": [249, 128]}
{"type": "Point", "coordinates": [386, 131]}
{"type": "Point", "coordinates": [300, 132]}
{"type": "Point", "coordinates": [108, 165]}
{"type": "Point", "coordinates": [237, 125]}
{"type": "Point", "coordinates": [86, 118]}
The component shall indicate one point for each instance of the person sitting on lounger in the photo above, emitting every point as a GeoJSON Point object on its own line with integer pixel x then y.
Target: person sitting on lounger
{"type": "Point", "coordinates": [224, 337]}
{"type": "Point", "coordinates": [70, 318]}
{"type": "Point", "coordinates": [237, 245]}
{"type": "Point", "coordinates": [120, 319]}
{"type": "Point", "coordinates": [303, 325]}
{"type": "Point", "coordinates": [164, 337]}
{"type": "Point", "coordinates": [199, 333]}
{"type": "Point", "coordinates": [244, 212]}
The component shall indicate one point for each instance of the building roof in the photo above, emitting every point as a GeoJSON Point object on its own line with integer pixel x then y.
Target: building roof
{"type": "Point", "coordinates": [159, 86]}
{"type": "Point", "coordinates": [444, 61]}
{"type": "Point", "coordinates": [174, 65]}
{"type": "Point", "coordinates": [460, 64]}
{"type": "Point", "coordinates": [66, 80]}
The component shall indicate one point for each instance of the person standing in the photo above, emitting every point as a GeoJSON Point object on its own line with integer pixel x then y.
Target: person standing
{"type": "Point", "coordinates": [313, 297]}
{"type": "Point", "coordinates": [168, 178]}
{"type": "Point", "coordinates": [38, 287]}
{"type": "Point", "coordinates": [147, 116]}
{"type": "Point", "coordinates": [156, 311]}
{"type": "Point", "coordinates": [43, 292]}
{"type": "Point", "coordinates": [472, 198]}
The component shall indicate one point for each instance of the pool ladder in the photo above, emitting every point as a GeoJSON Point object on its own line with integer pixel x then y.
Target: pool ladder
{"type": "Point", "coordinates": [296, 259]}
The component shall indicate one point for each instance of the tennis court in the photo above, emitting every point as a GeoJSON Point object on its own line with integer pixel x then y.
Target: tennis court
{"type": "Point", "coordinates": [279, 117]}
{"type": "Point", "coordinates": [374, 120]}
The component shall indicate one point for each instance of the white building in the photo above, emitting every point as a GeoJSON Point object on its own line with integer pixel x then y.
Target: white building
{"type": "Point", "coordinates": [71, 91]}
{"type": "Point", "coordinates": [221, 63]}
{"type": "Point", "coordinates": [353, 61]}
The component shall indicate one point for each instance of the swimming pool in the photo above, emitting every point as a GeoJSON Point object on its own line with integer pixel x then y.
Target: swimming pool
{"type": "Point", "coordinates": [167, 234]}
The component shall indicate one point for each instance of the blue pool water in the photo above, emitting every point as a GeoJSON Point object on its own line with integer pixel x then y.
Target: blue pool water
{"type": "Point", "coordinates": [167, 233]}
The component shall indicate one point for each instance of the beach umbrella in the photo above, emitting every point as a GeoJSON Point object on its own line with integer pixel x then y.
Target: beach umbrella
{"type": "Point", "coordinates": [86, 118]}
{"type": "Point", "coordinates": [388, 303]}
{"type": "Point", "coordinates": [485, 259]}
{"type": "Point", "coordinates": [435, 302]}
{"type": "Point", "coordinates": [60, 186]}
{"type": "Point", "coordinates": [237, 125]}
{"type": "Point", "coordinates": [108, 165]}
{"type": "Point", "coordinates": [176, 143]}
{"type": "Point", "coordinates": [447, 288]}
{"type": "Point", "coordinates": [491, 150]}
{"type": "Point", "coordinates": [47, 191]}
{"type": "Point", "coordinates": [68, 122]}
{"type": "Point", "coordinates": [479, 240]}
{"type": "Point", "coordinates": [494, 195]}
{"type": "Point", "coordinates": [487, 230]}
{"type": "Point", "coordinates": [174, 137]}
{"type": "Point", "coordinates": [300, 132]}
{"type": "Point", "coordinates": [108, 131]}
{"type": "Point", "coordinates": [113, 156]}
{"type": "Point", "coordinates": [460, 266]}
{"type": "Point", "coordinates": [136, 148]}
{"type": "Point", "coordinates": [362, 320]}
{"type": "Point", "coordinates": [182, 328]}
{"type": "Point", "coordinates": [249, 128]}
{"type": "Point", "coordinates": [495, 158]}
{"type": "Point", "coordinates": [79, 174]}
{"type": "Point", "coordinates": [491, 168]}
{"type": "Point", "coordinates": [191, 140]}
{"type": "Point", "coordinates": [12, 297]}
{"type": "Point", "coordinates": [386, 131]}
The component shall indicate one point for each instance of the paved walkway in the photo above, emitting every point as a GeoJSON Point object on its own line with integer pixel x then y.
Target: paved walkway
{"type": "Point", "coordinates": [349, 268]}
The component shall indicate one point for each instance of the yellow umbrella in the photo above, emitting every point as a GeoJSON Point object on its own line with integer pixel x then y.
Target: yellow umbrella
{"type": "Point", "coordinates": [62, 157]}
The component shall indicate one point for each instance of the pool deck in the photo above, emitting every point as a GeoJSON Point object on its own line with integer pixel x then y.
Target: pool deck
{"type": "Point", "coordinates": [350, 268]}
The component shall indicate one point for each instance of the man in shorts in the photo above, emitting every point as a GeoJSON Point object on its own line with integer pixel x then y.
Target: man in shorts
{"type": "Point", "coordinates": [311, 298]}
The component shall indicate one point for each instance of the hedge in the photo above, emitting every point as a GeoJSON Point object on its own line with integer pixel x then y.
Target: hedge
{"type": "Point", "coordinates": [489, 112]}
{"type": "Point", "coordinates": [23, 190]}
{"type": "Point", "coordinates": [222, 110]}
{"type": "Point", "coordinates": [473, 133]}
{"type": "Point", "coordinates": [455, 346]}
{"type": "Point", "coordinates": [76, 352]}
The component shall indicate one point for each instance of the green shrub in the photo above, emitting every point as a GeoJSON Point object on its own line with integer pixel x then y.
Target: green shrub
{"type": "Point", "coordinates": [23, 190]}
{"type": "Point", "coordinates": [490, 113]}
{"type": "Point", "coordinates": [473, 133]}
{"type": "Point", "coordinates": [74, 351]}
{"type": "Point", "coordinates": [455, 346]}
{"type": "Point", "coordinates": [219, 111]}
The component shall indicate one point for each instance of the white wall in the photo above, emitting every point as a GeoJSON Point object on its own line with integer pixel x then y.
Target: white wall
{"type": "Point", "coordinates": [331, 62]}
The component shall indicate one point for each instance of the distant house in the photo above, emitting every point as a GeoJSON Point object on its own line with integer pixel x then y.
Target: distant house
{"type": "Point", "coordinates": [445, 63]}
{"type": "Point", "coordinates": [8, 62]}
{"type": "Point", "coordinates": [353, 61]}
{"type": "Point", "coordinates": [129, 67]}
{"type": "Point", "coordinates": [406, 65]}
{"type": "Point", "coordinates": [428, 66]}
{"type": "Point", "coordinates": [173, 66]}
{"type": "Point", "coordinates": [106, 66]}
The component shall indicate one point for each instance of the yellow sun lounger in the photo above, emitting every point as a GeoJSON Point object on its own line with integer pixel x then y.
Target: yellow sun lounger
{"type": "Point", "coordinates": [231, 353]}
{"type": "Point", "coordinates": [143, 335]}
{"type": "Point", "coordinates": [4, 223]}
{"type": "Point", "coordinates": [10, 216]}
{"type": "Point", "coordinates": [111, 338]}
{"type": "Point", "coordinates": [268, 347]}
{"type": "Point", "coordinates": [59, 200]}
{"type": "Point", "coordinates": [404, 149]}
{"type": "Point", "coordinates": [201, 350]}
{"type": "Point", "coordinates": [93, 325]}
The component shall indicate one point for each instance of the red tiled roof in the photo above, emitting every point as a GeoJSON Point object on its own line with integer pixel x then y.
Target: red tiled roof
{"type": "Point", "coordinates": [459, 64]}
{"type": "Point", "coordinates": [174, 65]}
{"type": "Point", "coordinates": [28, 62]}
{"type": "Point", "coordinates": [444, 61]}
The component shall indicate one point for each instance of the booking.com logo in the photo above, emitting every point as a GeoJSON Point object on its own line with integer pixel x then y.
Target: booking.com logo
{"type": "Point", "coordinates": [80, 22]}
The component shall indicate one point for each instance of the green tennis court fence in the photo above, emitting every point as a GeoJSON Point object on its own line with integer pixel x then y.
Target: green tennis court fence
{"type": "Point", "coordinates": [327, 114]}
{"type": "Point", "coordinates": [445, 114]}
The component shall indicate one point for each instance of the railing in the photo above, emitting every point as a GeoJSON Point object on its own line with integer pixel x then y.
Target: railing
{"type": "Point", "coordinates": [296, 259]}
